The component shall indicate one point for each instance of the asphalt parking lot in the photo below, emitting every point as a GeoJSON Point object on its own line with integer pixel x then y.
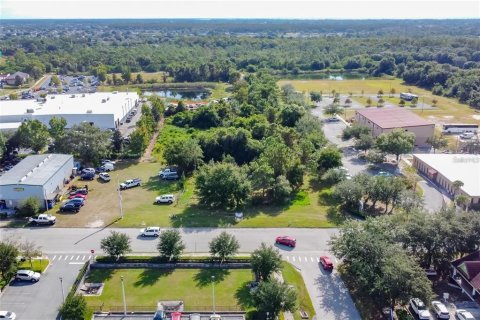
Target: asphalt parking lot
{"type": "Point", "coordinates": [41, 300]}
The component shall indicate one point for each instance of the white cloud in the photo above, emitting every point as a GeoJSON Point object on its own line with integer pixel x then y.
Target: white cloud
{"type": "Point", "coordinates": [303, 9]}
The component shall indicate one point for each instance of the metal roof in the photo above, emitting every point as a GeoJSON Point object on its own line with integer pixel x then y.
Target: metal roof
{"type": "Point", "coordinates": [463, 167]}
{"type": "Point", "coordinates": [35, 170]}
{"type": "Point", "coordinates": [392, 117]}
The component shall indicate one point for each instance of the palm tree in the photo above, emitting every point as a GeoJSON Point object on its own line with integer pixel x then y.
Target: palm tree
{"type": "Point", "coordinates": [380, 102]}
{"type": "Point", "coordinates": [462, 201]}
{"type": "Point", "coordinates": [369, 102]}
{"type": "Point", "coordinates": [392, 92]}
{"type": "Point", "coordinates": [457, 184]}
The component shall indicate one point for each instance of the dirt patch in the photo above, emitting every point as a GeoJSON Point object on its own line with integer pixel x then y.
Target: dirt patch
{"type": "Point", "coordinates": [95, 224]}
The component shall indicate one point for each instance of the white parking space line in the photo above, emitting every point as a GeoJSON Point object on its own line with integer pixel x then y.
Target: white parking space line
{"type": "Point", "coordinates": [54, 257]}
{"type": "Point", "coordinates": [293, 258]}
{"type": "Point", "coordinates": [318, 259]}
{"type": "Point", "coordinates": [311, 259]}
{"type": "Point", "coordinates": [78, 257]}
{"type": "Point", "coordinates": [83, 258]}
{"type": "Point", "coordinates": [60, 258]}
{"type": "Point", "coordinates": [74, 262]}
{"type": "Point", "coordinates": [89, 257]}
{"type": "Point", "coordinates": [288, 258]}
{"type": "Point", "coordinates": [71, 258]}
{"type": "Point", "coordinates": [299, 259]}
{"type": "Point", "coordinates": [66, 257]}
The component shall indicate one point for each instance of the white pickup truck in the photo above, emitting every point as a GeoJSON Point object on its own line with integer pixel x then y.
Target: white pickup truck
{"type": "Point", "coordinates": [43, 219]}
{"type": "Point", "coordinates": [166, 171]}
{"type": "Point", "coordinates": [130, 183]}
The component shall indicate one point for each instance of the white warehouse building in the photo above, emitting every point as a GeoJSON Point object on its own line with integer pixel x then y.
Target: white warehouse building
{"type": "Point", "coordinates": [103, 109]}
{"type": "Point", "coordinates": [41, 176]}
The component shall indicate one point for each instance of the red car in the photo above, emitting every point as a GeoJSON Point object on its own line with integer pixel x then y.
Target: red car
{"type": "Point", "coordinates": [78, 195]}
{"type": "Point", "coordinates": [326, 263]}
{"type": "Point", "coordinates": [286, 241]}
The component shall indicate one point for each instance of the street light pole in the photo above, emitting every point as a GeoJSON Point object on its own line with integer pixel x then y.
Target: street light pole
{"type": "Point", "coordinates": [120, 199]}
{"type": "Point", "coordinates": [124, 302]}
{"type": "Point", "coordinates": [63, 293]}
{"type": "Point", "coordinates": [213, 293]}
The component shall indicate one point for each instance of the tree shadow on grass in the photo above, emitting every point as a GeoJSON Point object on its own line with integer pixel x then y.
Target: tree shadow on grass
{"type": "Point", "coordinates": [335, 215]}
{"type": "Point", "coordinates": [160, 186]}
{"type": "Point", "coordinates": [198, 216]}
{"type": "Point", "coordinates": [243, 296]}
{"type": "Point", "coordinates": [326, 198]}
{"type": "Point", "coordinates": [206, 277]}
{"type": "Point", "coordinates": [99, 275]}
{"type": "Point", "coordinates": [149, 277]}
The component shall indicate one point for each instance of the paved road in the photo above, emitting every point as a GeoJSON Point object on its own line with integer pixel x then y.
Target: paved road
{"type": "Point", "coordinates": [69, 248]}
{"type": "Point", "coordinates": [333, 133]}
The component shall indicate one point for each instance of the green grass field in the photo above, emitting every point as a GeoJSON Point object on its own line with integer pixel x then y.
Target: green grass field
{"type": "Point", "coordinates": [293, 277]}
{"type": "Point", "coordinates": [38, 265]}
{"type": "Point", "coordinates": [144, 287]}
{"type": "Point", "coordinates": [448, 109]}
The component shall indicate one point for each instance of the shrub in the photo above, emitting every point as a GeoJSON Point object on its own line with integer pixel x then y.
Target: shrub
{"type": "Point", "coordinates": [30, 207]}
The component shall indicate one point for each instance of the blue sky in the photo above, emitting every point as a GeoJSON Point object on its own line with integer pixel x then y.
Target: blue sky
{"type": "Point", "coordinates": [303, 9]}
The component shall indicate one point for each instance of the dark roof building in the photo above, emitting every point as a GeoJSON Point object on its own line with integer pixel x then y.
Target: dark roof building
{"type": "Point", "coordinates": [466, 272]}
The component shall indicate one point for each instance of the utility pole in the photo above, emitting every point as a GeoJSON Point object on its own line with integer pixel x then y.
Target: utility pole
{"type": "Point", "coordinates": [63, 293]}
{"type": "Point", "coordinates": [120, 199]}
{"type": "Point", "coordinates": [124, 300]}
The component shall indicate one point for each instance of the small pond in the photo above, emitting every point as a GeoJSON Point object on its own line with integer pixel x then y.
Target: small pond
{"type": "Point", "coordinates": [181, 94]}
{"type": "Point", "coordinates": [325, 76]}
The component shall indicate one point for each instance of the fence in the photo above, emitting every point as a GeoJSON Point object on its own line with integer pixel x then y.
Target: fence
{"type": "Point", "coordinates": [152, 309]}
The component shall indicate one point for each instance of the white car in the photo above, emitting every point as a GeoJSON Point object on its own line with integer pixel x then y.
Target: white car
{"type": "Point", "coordinates": [420, 309]}
{"type": "Point", "coordinates": [150, 232]}
{"type": "Point", "coordinates": [27, 275]}
{"type": "Point", "coordinates": [440, 310]}
{"type": "Point", "coordinates": [464, 315]}
{"type": "Point", "coordinates": [165, 198]}
{"type": "Point", "coordinates": [104, 176]}
{"type": "Point", "coordinates": [8, 315]}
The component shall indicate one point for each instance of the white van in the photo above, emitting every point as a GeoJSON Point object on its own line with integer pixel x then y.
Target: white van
{"type": "Point", "coordinates": [107, 166]}
{"type": "Point", "coordinates": [467, 135]}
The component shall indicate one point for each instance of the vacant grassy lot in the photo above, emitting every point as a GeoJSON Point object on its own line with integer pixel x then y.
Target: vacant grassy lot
{"type": "Point", "coordinates": [145, 287]}
{"type": "Point", "coordinates": [448, 110]}
{"type": "Point", "coordinates": [293, 277]}
{"type": "Point", "coordinates": [309, 208]}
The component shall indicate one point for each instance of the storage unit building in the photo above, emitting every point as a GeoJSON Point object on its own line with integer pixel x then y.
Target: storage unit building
{"type": "Point", "coordinates": [444, 169]}
{"type": "Point", "coordinates": [40, 176]}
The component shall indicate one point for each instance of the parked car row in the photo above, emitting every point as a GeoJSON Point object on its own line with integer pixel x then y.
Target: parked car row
{"type": "Point", "coordinates": [440, 311]}
{"type": "Point", "coordinates": [76, 200]}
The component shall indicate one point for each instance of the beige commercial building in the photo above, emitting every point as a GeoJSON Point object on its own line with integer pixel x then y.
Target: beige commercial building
{"type": "Point", "coordinates": [444, 169]}
{"type": "Point", "coordinates": [381, 120]}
